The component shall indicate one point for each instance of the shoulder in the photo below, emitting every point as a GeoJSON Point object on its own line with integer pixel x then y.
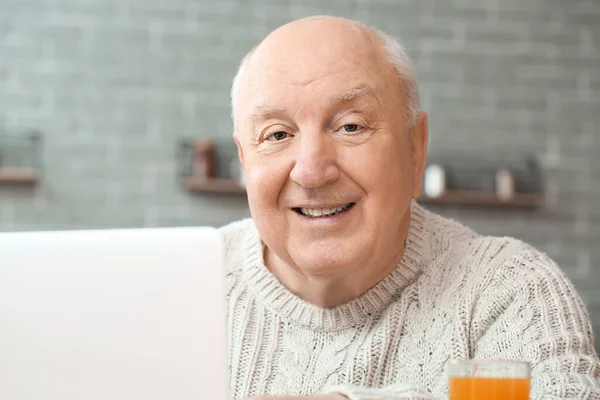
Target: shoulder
{"type": "Point", "coordinates": [233, 236]}
{"type": "Point", "coordinates": [511, 261]}
{"type": "Point", "coordinates": [484, 258]}
{"type": "Point", "coordinates": [233, 231]}
{"type": "Point", "coordinates": [528, 267]}
{"type": "Point", "coordinates": [452, 243]}
{"type": "Point", "coordinates": [509, 267]}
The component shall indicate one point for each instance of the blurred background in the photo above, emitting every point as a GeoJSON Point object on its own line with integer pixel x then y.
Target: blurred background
{"type": "Point", "coordinates": [100, 99]}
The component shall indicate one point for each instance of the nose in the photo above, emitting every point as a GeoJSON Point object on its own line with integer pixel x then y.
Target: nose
{"type": "Point", "coordinates": [315, 164]}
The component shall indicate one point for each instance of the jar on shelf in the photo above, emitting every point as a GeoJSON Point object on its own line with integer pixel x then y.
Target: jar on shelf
{"type": "Point", "coordinates": [505, 184]}
{"type": "Point", "coordinates": [435, 181]}
{"type": "Point", "coordinates": [203, 162]}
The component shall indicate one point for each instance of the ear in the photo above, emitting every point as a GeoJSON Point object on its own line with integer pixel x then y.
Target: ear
{"type": "Point", "coordinates": [419, 139]}
{"type": "Point", "coordinates": [240, 150]}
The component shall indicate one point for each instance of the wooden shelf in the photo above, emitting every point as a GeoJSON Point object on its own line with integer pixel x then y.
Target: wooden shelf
{"type": "Point", "coordinates": [455, 197]}
{"type": "Point", "coordinates": [214, 185]}
{"type": "Point", "coordinates": [17, 175]}
{"type": "Point", "coordinates": [465, 197]}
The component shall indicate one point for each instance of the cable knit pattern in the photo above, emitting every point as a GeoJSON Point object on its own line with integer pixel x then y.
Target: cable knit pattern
{"type": "Point", "coordinates": [454, 294]}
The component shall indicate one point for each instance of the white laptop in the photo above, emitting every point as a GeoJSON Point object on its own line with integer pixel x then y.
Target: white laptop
{"type": "Point", "coordinates": [134, 314]}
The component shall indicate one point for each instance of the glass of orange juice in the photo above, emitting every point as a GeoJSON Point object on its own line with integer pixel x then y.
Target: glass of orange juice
{"type": "Point", "coordinates": [488, 380]}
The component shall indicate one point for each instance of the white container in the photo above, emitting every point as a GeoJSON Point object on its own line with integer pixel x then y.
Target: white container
{"type": "Point", "coordinates": [505, 184]}
{"type": "Point", "coordinates": [435, 181]}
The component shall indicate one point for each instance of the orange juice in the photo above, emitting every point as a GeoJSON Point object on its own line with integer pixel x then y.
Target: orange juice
{"type": "Point", "coordinates": [484, 388]}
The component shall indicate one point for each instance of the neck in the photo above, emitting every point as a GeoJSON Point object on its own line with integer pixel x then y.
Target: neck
{"type": "Point", "coordinates": [332, 288]}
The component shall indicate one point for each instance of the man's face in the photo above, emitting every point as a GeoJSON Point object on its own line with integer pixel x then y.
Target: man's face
{"type": "Point", "coordinates": [330, 164]}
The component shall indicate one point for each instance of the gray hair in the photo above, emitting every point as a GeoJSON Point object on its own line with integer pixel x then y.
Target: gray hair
{"type": "Point", "coordinates": [397, 56]}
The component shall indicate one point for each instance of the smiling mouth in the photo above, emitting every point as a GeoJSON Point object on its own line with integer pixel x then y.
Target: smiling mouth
{"type": "Point", "coordinates": [323, 212]}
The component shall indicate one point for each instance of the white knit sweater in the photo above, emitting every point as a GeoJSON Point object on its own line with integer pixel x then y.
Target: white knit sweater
{"type": "Point", "coordinates": [454, 294]}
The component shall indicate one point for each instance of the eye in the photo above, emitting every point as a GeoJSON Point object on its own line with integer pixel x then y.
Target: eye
{"type": "Point", "coordinates": [350, 128]}
{"type": "Point", "coordinates": [277, 136]}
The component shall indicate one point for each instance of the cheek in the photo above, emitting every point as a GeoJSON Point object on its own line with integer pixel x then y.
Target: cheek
{"type": "Point", "coordinates": [382, 168]}
{"type": "Point", "coordinates": [264, 182]}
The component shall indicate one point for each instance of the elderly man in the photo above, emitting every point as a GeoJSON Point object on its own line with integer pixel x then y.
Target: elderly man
{"type": "Point", "coordinates": [341, 285]}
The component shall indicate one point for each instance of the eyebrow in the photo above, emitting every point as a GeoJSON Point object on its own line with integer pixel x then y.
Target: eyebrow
{"type": "Point", "coordinates": [353, 94]}
{"type": "Point", "coordinates": [262, 110]}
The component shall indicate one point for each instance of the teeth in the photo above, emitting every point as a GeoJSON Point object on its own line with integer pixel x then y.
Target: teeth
{"type": "Point", "coordinates": [323, 212]}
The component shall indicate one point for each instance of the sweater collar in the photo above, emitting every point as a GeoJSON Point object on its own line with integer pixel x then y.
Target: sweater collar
{"type": "Point", "coordinates": [269, 291]}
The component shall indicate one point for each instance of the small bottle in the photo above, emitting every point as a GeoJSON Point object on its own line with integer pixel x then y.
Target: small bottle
{"type": "Point", "coordinates": [203, 160]}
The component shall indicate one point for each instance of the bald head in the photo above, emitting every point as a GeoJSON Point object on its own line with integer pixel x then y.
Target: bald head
{"type": "Point", "coordinates": [324, 38]}
{"type": "Point", "coordinates": [306, 50]}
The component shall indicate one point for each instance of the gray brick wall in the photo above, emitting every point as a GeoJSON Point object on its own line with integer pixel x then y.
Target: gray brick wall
{"type": "Point", "coordinates": [113, 85]}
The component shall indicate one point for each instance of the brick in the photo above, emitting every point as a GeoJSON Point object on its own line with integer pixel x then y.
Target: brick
{"type": "Point", "coordinates": [548, 76]}
{"type": "Point", "coordinates": [120, 42]}
{"type": "Point", "coordinates": [571, 57]}
{"type": "Point", "coordinates": [15, 100]}
{"type": "Point", "coordinates": [484, 32]}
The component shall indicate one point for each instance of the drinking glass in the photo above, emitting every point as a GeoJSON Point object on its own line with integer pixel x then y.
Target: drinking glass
{"type": "Point", "coordinates": [488, 380]}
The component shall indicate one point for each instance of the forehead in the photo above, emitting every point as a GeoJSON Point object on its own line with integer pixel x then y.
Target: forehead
{"type": "Point", "coordinates": [316, 85]}
{"type": "Point", "coordinates": [282, 73]}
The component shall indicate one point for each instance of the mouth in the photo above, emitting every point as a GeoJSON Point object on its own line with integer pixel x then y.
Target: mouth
{"type": "Point", "coordinates": [323, 212]}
